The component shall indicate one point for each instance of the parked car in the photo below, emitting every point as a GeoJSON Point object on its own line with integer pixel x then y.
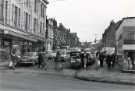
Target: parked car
{"type": "Point", "coordinates": [29, 58]}
{"type": "Point", "coordinates": [51, 55]}
{"type": "Point", "coordinates": [75, 59]}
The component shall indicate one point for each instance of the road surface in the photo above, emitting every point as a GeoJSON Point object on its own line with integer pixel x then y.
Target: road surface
{"type": "Point", "coordinates": [11, 81]}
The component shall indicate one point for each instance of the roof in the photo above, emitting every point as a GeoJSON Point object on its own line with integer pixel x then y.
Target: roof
{"type": "Point", "coordinates": [118, 24]}
{"type": "Point", "coordinates": [46, 1]}
{"type": "Point", "coordinates": [121, 21]}
{"type": "Point", "coordinates": [128, 18]}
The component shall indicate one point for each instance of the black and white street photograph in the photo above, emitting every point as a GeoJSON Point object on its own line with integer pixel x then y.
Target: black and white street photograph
{"type": "Point", "coordinates": [67, 45]}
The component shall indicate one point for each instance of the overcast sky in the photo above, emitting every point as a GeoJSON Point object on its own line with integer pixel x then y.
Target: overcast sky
{"type": "Point", "coordinates": [89, 18]}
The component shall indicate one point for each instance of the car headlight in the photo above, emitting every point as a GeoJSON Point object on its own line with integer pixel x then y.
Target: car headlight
{"type": "Point", "coordinates": [78, 60]}
{"type": "Point", "coordinates": [72, 60]}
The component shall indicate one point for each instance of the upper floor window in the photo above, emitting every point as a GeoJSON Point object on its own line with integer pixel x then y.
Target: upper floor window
{"type": "Point", "coordinates": [27, 3]}
{"type": "Point", "coordinates": [36, 5]}
{"type": "Point", "coordinates": [43, 10]}
{"type": "Point", "coordinates": [26, 21]}
{"type": "Point", "coordinates": [130, 35]}
{"type": "Point", "coordinates": [1, 9]}
{"type": "Point", "coordinates": [130, 38]}
{"type": "Point", "coordinates": [6, 11]}
{"type": "Point", "coordinates": [35, 25]}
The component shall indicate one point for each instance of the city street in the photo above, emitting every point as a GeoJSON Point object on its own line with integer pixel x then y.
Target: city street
{"type": "Point", "coordinates": [17, 81]}
{"type": "Point", "coordinates": [67, 45]}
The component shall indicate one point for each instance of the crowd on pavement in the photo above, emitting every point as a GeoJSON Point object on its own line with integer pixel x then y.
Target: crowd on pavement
{"type": "Point", "coordinates": [111, 60]}
{"type": "Point", "coordinates": [102, 58]}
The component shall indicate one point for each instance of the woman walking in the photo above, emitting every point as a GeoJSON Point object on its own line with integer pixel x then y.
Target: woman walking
{"type": "Point", "coordinates": [13, 60]}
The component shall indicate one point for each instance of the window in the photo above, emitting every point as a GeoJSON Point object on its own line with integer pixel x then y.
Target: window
{"type": "Point", "coordinates": [26, 22]}
{"type": "Point", "coordinates": [35, 5]}
{"type": "Point", "coordinates": [1, 9]}
{"type": "Point", "coordinates": [18, 18]}
{"type": "Point", "coordinates": [27, 3]}
{"type": "Point", "coordinates": [15, 16]}
{"type": "Point", "coordinates": [29, 25]}
{"type": "Point", "coordinates": [12, 14]}
{"type": "Point", "coordinates": [35, 24]}
{"type": "Point", "coordinates": [6, 9]}
{"type": "Point", "coordinates": [40, 27]}
{"type": "Point", "coordinates": [130, 37]}
{"type": "Point", "coordinates": [42, 10]}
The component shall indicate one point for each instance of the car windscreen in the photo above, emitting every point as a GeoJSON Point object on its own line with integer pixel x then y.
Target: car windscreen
{"type": "Point", "coordinates": [75, 54]}
{"type": "Point", "coordinates": [30, 54]}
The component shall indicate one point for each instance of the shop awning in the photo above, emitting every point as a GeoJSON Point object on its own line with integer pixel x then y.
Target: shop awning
{"type": "Point", "coordinates": [19, 35]}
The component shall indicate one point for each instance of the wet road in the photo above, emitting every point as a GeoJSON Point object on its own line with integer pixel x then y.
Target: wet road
{"type": "Point", "coordinates": [11, 81]}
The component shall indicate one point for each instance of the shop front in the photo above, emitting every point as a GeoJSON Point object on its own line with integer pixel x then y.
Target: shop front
{"type": "Point", "coordinates": [25, 41]}
{"type": "Point", "coordinates": [129, 50]}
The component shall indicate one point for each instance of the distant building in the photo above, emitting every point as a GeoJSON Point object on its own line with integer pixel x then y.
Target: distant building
{"type": "Point", "coordinates": [121, 36]}
{"type": "Point", "coordinates": [86, 44]}
{"type": "Point", "coordinates": [63, 37]}
{"type": "Point", "coordinates": [74, 40]}
{"type": "Point", "coordinates": [23, 23]}
{"type": "Point", "coordinates": [108, 37]}
{"type": "Point", "coordinates": [125, 37]}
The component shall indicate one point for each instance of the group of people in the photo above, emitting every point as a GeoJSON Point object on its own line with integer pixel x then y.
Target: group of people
{"type": "Point", "coordinates": [112, 60]}
{"type": "Point", "coordinates": [108, 58]}
{"type": "Point", "coordinates": [103, 57]}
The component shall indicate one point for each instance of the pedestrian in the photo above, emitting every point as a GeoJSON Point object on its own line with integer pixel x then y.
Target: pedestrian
{"type": "Point", "coordinates": [40, 59]}
{"type": "Point", "coordinates": [97, 54]}
{"type": "Point", "coordinates": [82, 57]}
{"type": "Point", "coordinates": [109, 61]}
{"type": "Point", "coordinates": [130, 66]}
{"type": "Point", "coordinates": [85, 60]}
{"type": "Point", "coordinates": [132, 62]}
{"type": "Point", "coordinates": [13, 59]}
{"type": "Point", "coordinates": [57, 61]}
{"type": "Point", "coordinates": [101, 58]}
{"type": "Point", "coordinates": [44, 63]}
{"type": "Point", "coordinates": [112, 60]}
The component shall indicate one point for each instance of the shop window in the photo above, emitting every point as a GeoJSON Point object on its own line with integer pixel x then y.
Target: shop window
{"type": "Point", "coordinates": [130, 38]}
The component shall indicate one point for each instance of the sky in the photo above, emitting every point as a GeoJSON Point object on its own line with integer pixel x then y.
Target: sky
{"type": "Point", "coordinates": [89, 18]}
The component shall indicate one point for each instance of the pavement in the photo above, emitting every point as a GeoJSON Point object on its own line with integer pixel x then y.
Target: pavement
{"type": "Point", "coordinates": [98, 75]}
{"type": "Point", "coordinates": [106, 76]}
